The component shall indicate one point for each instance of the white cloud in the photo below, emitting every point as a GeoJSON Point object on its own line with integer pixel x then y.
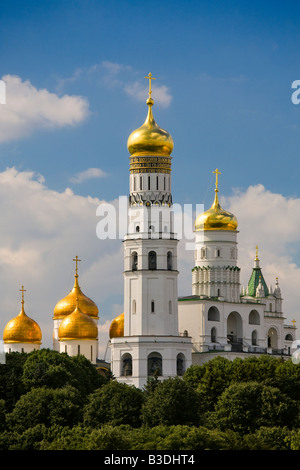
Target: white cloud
{"type": "Point", "coordinates": [88, 174]}
{"type": "Point", "coordinates": [28, 109]}
{"type": "Point", "coordinates": [124, 76]}
{"type": "Point", "coordinates": [139, 91]}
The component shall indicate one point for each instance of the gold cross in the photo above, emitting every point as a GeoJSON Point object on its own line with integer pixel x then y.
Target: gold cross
{"type": "Point", "coordinates": [150, 78]}
{"type": "Point", "coordinates": [256, 257]}
{"type": "Point", "coordinates": [293, 321]}
{"type": "Point", "coordinates": [217, 173]}
{"type": "Point", "coordinates": [22, 290]}
{"type": "Point", "coordinates": [76, 259]}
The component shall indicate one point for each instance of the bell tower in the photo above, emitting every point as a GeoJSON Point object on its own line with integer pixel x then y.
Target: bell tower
{"type": "Point", "coordinates": [151, 343]}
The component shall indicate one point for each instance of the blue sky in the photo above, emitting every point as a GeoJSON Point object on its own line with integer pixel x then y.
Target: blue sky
{"type": "Point", "coordinates": [228, 67]}
{"type": "Point", "coordinates": [223, 72]}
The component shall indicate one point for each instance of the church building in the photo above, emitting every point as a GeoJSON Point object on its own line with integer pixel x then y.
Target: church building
{"type": "Point", "coordinates": [145, 340]}
{"type": "Point", "coordinates": [222, 317]}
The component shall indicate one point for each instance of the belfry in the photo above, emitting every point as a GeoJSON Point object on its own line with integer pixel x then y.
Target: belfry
{"type": "Point", "coordinates": [145, 340]}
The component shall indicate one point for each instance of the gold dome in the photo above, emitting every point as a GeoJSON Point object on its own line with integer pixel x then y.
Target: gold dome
{"type": "Point", "coordinates": [67, 305]}
{"type": "Point", "coordinates": [77, 325]}
{"type": "Point", "coordinates": [22, 329]}
{"type": "Point", "coordinates": [116, 329]}
{"type": "Point", "coordinates": [216, 218]}
{"type": "Point", "coordinates": [150, 139]}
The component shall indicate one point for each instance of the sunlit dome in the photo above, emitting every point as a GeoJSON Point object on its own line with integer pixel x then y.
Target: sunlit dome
{"type": "Point", "coordinates": [216, 218]}
{"type": "Point", "coordinates": [116, 329]}
{"type": "Point", "coordinates": [77, 325]}
{"type": "Point", "coordinates": [22, 329]}
{"type": "Point", "coordinates": [67, 305]}
{"type": "Point", "coordinates": [150, 139]}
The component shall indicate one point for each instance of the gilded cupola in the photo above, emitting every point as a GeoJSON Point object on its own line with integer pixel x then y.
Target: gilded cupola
{"type": "Point", "coordinates": [216, 218]}
{"type": "Point", "coordinates": [150, 140]}
{"type": "Point", "coordinates": [116, 329]}
{"type": "Point", "coordinates": [67, 305]}
{"type": "Point", "coordinates": [77, 325]}
{"type": "Point", "coordinates": [22, 329]}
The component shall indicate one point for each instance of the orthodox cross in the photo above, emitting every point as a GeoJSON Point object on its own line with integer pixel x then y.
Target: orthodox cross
{"type": "Point", "coordinates": [150, 78]}
{"type": "Point", "coordinates": [76, 259]}
{"type": "Point", "coordinates": [217, 173]}
{"type": "Point", "coordinates": [22, 290]}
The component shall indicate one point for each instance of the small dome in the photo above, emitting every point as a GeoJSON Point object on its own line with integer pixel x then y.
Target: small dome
{"type": "Point", "coordinates": [67, 305]}
{"type": "Point", "coordinates": [77, 325]}
{"type": "Point", "coordinates": [116, 329]}
{"type": "Point", "coordinates": [150, 139]}
{"type": "Point", "coordinates": [22, 329]}
{"type": "Point", "coordinates": [216, 218]}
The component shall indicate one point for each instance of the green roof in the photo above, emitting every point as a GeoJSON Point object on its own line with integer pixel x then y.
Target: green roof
{"type": "Point", "coordinates": [254, 280]}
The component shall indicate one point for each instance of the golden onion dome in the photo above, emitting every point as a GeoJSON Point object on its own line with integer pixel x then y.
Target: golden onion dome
{"type": "Point", "coordinates": [67, 305]}
{"type": "Point", "coordinates": [22, 329]}
{"type": "Point", "coordinates": [216, 218]}
{"type": "Point", "coordinates": [77, 325]}
{"type": "Point", "coordinates": [150, 139]}
{"type": "Point", "coordinates": [116, 329]}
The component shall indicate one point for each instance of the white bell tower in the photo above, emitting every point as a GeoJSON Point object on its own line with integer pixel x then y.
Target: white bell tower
{"type": "Point", "coordinates": [151, 344]}
{"type": "Point", "coordinates": [216, 274]}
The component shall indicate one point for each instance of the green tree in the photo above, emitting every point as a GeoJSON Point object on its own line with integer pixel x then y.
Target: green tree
{"type": "Point", "coordinates": [114, 403]}
{"type": "Point", "coordinates": [47, 368]}
{"type": "Point", "coordinates": [172, 402]}
{"type": "Point", "coordinates": [11, 384]}
{"type": "Point", "coordinates": [47, 407]}
{"type": "Point", "coordinates": [216, 378]}
{"type": "Point", "coordinates": [246, 406]}
{"type": "Point", "coordinates": [268, 438]}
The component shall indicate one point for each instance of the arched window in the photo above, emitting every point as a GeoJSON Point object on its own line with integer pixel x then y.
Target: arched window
{"type": "Point", "coordinates": [152, 306]}
{"type": "Point", "coordinates": [155, 364]}
{"type": "Point", "coordinates": [288, 337]}
{"type": "Point", "coordinates": [134, 306]}
{"type": "Point", "coordinates": [213, 335]}
{"type": "Point", "coordinates": [148, 183]}
{"type": "Point", "coordinates": [152, 260]}
{"type": "Point", "coordinates": [254, 338]}
{"type": "Point", "coordinates": [157, 182]}
{"type": "Point", "coordinates": [169, 260]}
{"type": "Point", "coordinates": [134, 261]}
{"type": "Point", "coordinates": [254, 318]}
{"type": "Point", "coordinates": [180, 364]}
{"type": "Point", "coordinates": [170, 307]}
{"type": "Point", "coordinates": [126, 365]}
{"type": "Point", "coordinates": [213, 314]}
{"type": "Point", "coordinates": [141, 182]}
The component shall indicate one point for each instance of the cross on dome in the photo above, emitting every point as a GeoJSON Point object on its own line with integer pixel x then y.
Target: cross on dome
{"type": "Point", "coordinates": [150, 78]}
{"type": "Point", "coordinates": [217, 173]}
{"type": "Point", "coordinates": [76, 259]}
